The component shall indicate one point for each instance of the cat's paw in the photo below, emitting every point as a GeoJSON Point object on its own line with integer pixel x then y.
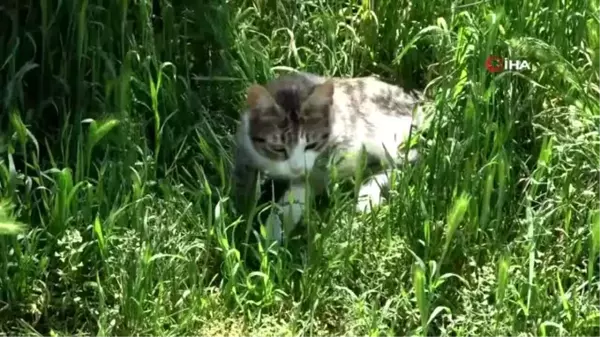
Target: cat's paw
{"type": "Point", "coordinates": [274, 228]}
{"type": "Point", "coordinates": [365, 205]}
{"type": "Point", "coordinates": [292, 207]}
{"type": "Point", "coordinates": [293, 214]}
{"type": "Point", "coordinates": [368, 205]}
{"type": "Point", "coordinates": [369, 197]}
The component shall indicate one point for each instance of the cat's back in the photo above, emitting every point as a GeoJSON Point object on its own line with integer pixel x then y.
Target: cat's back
{"type": "Point", "coordinates": [364, 96]}
{"type": "Point", "coordinates": [372, 113]}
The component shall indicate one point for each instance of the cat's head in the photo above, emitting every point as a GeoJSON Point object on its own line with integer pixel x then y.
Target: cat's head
{"type": "Point", "coordinates": [289, 125]}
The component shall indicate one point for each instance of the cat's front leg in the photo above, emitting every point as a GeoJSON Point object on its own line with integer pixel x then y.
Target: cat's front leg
{"type": "Point", "coordinates": [290, 208]}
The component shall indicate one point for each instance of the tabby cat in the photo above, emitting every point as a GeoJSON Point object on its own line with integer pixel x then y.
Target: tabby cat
{"type": "Point", "coordinates": [295, 121]}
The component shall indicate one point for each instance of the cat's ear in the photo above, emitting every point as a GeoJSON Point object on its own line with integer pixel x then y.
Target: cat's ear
{"type": "Point", "coordinates": [323, 93]}
{"type": "Point", "coordinates": [257, 97]}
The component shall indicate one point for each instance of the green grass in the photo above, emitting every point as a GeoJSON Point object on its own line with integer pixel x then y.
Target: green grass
{"type": "Point", "coordinates": [115, 154]}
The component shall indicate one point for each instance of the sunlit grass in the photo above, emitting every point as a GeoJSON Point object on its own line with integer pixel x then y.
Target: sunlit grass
{"type": "Point", "coordinates": [115, 156]}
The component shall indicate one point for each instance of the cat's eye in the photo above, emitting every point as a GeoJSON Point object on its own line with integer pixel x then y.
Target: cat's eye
{"type": "Point", "coordinates": [311, 146]}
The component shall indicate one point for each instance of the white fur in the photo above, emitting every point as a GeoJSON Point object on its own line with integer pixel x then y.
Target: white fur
{"type": "Point", "coordinates": [392, 132]}
{"type": "Point", "coordinates": [292, 209]}
{"type": "Point", "coordinates": [296, 166]}
{"type": "Point", "coordinates": [369, 195]}
{"type": "Point", "coordinates": [274, 230]}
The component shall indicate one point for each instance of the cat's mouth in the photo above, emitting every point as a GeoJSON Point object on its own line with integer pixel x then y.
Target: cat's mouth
{"type": "Point", "coordinates": [296, 176]}
{"type": "Point", "coordinates": [286, 175]}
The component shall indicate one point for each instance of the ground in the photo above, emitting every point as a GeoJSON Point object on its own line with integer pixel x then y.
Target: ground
{"type": "Point", "coordinates": [117, 122]}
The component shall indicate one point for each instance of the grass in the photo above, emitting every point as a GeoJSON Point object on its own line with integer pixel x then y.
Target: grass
{"type": "Point", "coordinates": [115, 149]}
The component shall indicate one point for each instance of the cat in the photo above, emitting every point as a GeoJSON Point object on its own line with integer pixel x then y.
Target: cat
{"type": "Point", "coordinates": [297, 122]}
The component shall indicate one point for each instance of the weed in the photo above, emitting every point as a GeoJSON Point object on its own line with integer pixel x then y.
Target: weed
{"type": "Point", "coordinates": [117, 121]}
